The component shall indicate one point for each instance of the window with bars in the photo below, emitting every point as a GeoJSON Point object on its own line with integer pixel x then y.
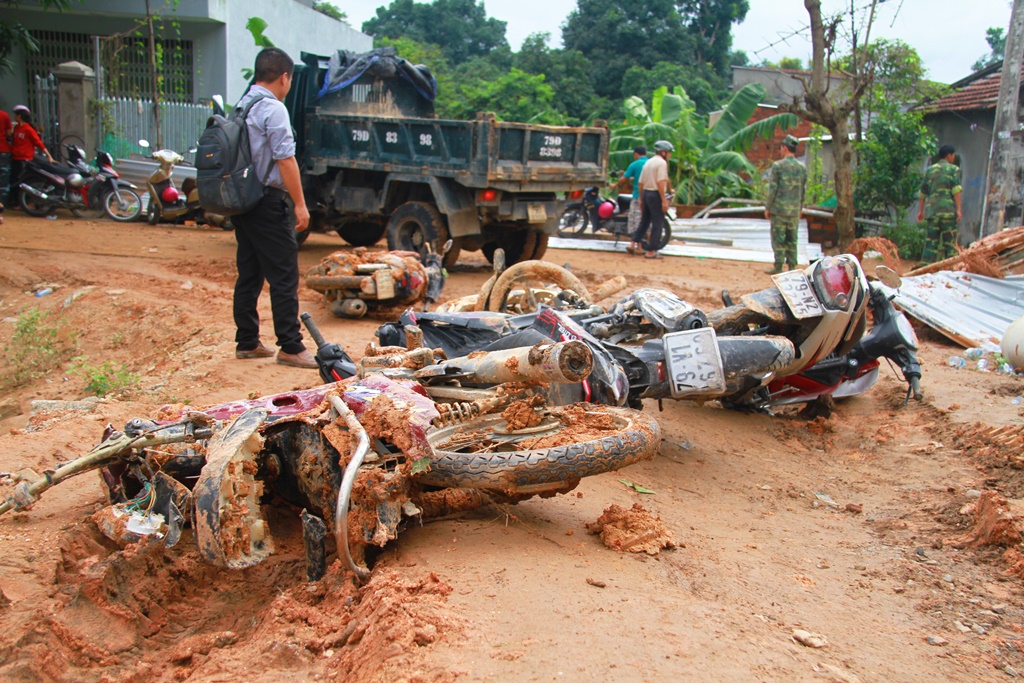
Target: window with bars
{"type": "Point", "coordinates": [124, 60]}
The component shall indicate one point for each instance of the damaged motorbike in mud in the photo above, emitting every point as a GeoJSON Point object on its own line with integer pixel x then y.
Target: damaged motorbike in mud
{"type": "Point", "coordinates": [382, 282]}
{"type": "Point", "coordinates": [412, 437]}
{"type": "Point", "coordinates": [794, 342]}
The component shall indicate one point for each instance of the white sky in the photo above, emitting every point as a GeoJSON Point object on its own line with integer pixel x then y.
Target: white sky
{"type": "Point", "coordinates": [948, 34]}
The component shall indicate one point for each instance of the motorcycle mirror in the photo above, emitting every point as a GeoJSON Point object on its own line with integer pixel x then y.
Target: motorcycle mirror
{"type": "Point", "coordinates": [446, 248]}
{"type": "Point", "coordinates": [218, 105]}
{"type": "Point", "coordinates": [144, 143]}
{"type": "Point", "coordinates": [192, 150]}
{"type": "Point", "coordinates": [889, 277]}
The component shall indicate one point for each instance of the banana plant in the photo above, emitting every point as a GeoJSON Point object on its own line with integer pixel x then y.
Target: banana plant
{"type": "Point", "coordinates": [709, 159]}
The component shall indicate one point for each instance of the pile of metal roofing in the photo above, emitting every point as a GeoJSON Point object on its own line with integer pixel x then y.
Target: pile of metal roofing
{"type": "Point", "coordinates": [997, 255]}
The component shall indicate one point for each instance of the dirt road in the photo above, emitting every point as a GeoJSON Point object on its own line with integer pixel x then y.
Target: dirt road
{"type": "Point", "coordinates": [849, 528]}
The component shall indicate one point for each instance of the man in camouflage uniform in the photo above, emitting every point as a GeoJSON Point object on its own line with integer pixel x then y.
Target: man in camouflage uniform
{"type": "Point", "coordinates": [940, 203]}
{"type": "Point", "coordinates": [787, 182]}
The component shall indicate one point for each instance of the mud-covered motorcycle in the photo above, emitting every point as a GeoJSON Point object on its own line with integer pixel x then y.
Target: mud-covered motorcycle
{"type": "Point", "coordinates": [413, 435]}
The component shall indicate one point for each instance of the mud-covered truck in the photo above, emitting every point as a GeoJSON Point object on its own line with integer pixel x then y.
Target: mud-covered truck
{"type": "Point", "coordinates": [375, 159]}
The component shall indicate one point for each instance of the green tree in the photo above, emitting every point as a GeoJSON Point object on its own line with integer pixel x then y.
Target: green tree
{"type": "Point", "coordinates": [996, 38]}
{"type": "Point", "coordinates": [710, 23]}
{"type": "Point", "coordinates": [705, 95]}
{"type": "Point", "coordinates": [324, 7]}
{"type": "Point", "coordinates": [14, 36]}
{"type": "Point", "coordinates": [709, 159]}
{"type": "Point", "coordinates": [512, 96]}
{"type": "Point", "coordinates": [568, 73]}
{"type": "Point", "coordinates": [460, 27]}
{"type": "Point", "coordinates": [889, 174]}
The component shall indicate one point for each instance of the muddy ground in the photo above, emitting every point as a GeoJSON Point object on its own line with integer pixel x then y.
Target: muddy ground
{"type": "Point", "coordinates": [851, 528]}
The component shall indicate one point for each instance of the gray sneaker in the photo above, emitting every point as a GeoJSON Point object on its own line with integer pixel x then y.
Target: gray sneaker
{"type": "Point", "coordinates": [303, 359]}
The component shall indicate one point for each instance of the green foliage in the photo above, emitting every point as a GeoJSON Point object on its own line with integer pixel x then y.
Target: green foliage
{"type": "Point", "coordinates": [256, 26]}
{"type": "Point", "coordinates": [908, 237]}
{"type": "Point", "coordinates": [888, 174]}
{"type": "Point", "coordinates": [327, 8]}
{"type": "Point", "coordinates": [39, 345]}
{"type": "Point", "coordinates": [107, 378]}
{"type": "Point", "coordinates": [996, 38]}
{"type": "Point", "coordinates": [793, 63]}
{"type": "Point", "coordinates": [513, 96]}
{"type": "Point", "coordinates": [820, 187]}
{"type": "Point", "coordinates": [705, 95]}
{"type": "Point", "coordinates": [14, 36]}
{"type": "Point", "coordinates": [709, 160]}
{"type": "Point", "coordinates": [568, 73]}
{"type": "Point", "coordinates": [616, 36]}
{"type": "Point", "coordinates": [460, 27]}
{"type": "Point", "coordinates": [899, 75]}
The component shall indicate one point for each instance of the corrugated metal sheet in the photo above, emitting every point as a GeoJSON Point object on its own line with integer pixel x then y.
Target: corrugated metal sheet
{"type": "Point", "coordinates": [972, 310]}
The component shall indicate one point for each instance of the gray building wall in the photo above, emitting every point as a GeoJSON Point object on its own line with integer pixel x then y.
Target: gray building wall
{"type": "Point", "coordinates": [779, 86]}
{"type": "Point", "coordinates": [222, 45]}
{"type": "Point", "coordinates": [971, 133]}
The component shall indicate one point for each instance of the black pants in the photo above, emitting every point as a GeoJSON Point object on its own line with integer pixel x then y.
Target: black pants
{"type": "Point", "coordinates": [14, 192]}
{"type": "Point", "coordinates": [651, 216]}
{"type": "Point", "coordinates": [267, 251]}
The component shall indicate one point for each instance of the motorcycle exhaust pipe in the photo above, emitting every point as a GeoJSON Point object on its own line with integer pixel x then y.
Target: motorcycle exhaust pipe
{"type": "Point", "coordinates": [25, 187]}
{"type": "Point", "coordinates": [566, 362]}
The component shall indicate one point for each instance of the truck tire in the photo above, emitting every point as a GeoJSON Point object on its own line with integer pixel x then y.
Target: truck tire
{"type": "Point", "coordinates": [521, 245]}
{"type": "Point", "coordinates": [413, 226]}
{"type": "Point", "coordinates": [542, 246]}
{"type": "Point", "coordinates": [361, 233]}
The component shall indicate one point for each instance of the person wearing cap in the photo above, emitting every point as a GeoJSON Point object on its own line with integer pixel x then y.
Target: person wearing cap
{"type": "Point", "coordinates": [787, 183]}
{"type": "Point", "coordinates": [24, 143]}
{"type": "Point", "coordinates": [940, 203]}
{"type": "Point", "coordinates": [632, 172]}
{"type": "Point", "coordinates": [653, 200]}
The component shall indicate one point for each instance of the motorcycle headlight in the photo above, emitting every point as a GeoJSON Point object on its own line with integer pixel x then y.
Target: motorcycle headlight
{"type": "Point", "coordinates": [906, 331]}
{"type": "Point", "coordinates": [75, 180]}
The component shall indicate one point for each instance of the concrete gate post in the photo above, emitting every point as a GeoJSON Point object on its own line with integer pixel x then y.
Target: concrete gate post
{"type": "Point", "coordinates": [76, 85]}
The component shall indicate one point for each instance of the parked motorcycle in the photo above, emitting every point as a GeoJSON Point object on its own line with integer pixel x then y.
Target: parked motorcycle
{"type": "Point", "coordinates": [46, 187]}
{"type": "Point", "coordinates": [602, 214]}
{"type": "Point", "coordinates": [413, 436]}
{"type": "Point", "coordinates": [169, 204]}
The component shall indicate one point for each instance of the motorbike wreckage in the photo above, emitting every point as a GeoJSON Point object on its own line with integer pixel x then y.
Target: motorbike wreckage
{"type": "Point", "coordinates": [411, 435]}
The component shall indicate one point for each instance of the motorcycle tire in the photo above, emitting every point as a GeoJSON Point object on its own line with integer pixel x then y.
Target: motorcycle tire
{"type": "Point", "coordinates": [361, 233]}
{"type": "Point", "coordinates": [573, 223]}
{"type": "Point", "coordinates": [87, 214]}
{"type": "Point", "coordinates": [152, 212]}
{"type": "Point", "coordinates": [34, 206]}
{"type": "Point", "coordinates": [510, 462]}
{"type": "Point", "coordinates": [527, 273]}
{"type": "Point", "coordinates": [123, 214]}
{"type": "Point", "coordinates": [666, 234]}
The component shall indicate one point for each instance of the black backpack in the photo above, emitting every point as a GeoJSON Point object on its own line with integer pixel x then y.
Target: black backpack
{"type": "Point", "coordinates": [227, 180]}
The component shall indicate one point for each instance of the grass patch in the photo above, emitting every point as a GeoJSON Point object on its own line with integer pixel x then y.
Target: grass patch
{"type": "Point", "coordinates": [41, 343]}
{"type": "Point", "coordinates": [109, 378]}
{"type": "Point", "coordinates": [908, 237]}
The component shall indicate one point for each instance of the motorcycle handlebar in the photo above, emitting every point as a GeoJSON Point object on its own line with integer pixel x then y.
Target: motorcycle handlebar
{"type": "Point", "coordinates": [314, 331]}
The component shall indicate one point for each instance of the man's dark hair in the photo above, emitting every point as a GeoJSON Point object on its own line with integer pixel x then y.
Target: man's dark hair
{"type": "Point", "coordinates": [641, 150]}
{"type": "Point", "coordinates": [271, 62]}
{"type": "Point", "coordinates": [946, 150]}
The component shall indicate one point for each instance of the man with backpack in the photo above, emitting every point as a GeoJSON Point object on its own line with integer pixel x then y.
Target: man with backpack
{"type": "Point", "coordinates": [267, 247]}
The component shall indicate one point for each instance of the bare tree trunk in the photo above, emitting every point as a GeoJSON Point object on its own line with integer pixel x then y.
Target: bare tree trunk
{"type": "Point", "coordinates": [842, 155]}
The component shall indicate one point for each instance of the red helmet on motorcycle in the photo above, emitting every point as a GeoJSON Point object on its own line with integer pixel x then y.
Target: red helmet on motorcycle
{"type": "Point", "coordinates": [169, 195]}
{"type": "Point", "coordinates": [606, 210]}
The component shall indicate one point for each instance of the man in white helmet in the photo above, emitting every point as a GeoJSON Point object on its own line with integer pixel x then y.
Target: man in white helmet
{"type": "Point", "coordinates": [654, 201]}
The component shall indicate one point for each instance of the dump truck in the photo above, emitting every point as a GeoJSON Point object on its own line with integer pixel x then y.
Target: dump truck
{"type": "Point", "coordinates": [375, 159]}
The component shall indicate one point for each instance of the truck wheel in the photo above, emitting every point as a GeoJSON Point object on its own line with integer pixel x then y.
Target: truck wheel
{"type": "Point", "coordinates": [413, 225]}
{"type": "Point", "coordinates": [542, 246]}
{"type": "Point", "coordinates": [361, 233]}
{"type": "Point", "coordinates": [519, 245]}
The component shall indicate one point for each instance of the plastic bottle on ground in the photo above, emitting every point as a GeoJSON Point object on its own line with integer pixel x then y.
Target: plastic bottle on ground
{"type": "Point", "coordinates": [956, 362]}
{"type": "Point", "coordinates": [974, 353]}
{"type": "Point", "coordinates": [982, 365]}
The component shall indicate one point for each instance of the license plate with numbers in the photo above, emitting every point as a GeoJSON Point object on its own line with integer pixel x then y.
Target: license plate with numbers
{"type": "Point", "coordinates": [694, 363]}
{"type": "Point", "coordinates": [797, 291]}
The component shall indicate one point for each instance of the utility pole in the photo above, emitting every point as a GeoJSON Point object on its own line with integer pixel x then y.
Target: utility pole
{"type": "Point", "coordinates": [154, 78]}
{"type": "Point", "coordinates": [1003, 164]}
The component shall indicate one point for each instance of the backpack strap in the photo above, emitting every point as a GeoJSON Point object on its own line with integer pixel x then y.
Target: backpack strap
{"type": "Point", "coordinates": [245, 115]}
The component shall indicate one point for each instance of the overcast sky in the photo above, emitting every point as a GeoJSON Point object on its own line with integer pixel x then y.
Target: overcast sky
{"type": "Point", "coordinates": [948, 34]}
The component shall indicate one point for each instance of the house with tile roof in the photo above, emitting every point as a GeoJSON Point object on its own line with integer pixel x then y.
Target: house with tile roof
{"type": "Point", "coordinates": [965, 118]}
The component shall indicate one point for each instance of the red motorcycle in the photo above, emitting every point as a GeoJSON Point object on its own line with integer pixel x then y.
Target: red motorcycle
{"type": "Point", "coordinates": [88, 193]}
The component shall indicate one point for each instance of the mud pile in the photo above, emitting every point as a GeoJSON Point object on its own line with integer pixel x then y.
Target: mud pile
{"type": "Point", "coordinates": [635, 530]}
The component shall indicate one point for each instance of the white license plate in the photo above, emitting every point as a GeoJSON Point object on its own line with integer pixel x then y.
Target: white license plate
{"type": "Point", "coordinates": [798, 293]}
{"type": "Point", "coordinates": [694, 363]}
{"type": "Point", "coordinates": [536, 213]}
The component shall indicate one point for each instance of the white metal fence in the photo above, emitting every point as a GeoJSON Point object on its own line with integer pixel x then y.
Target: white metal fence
{"type": "Point", "coordinates": [123, 122]}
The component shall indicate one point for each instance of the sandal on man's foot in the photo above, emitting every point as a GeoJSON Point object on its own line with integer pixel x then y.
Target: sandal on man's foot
{"type": "Point", "coordinates": [653, 254]}
{"type": "Point", "coordinates": [630, 249]}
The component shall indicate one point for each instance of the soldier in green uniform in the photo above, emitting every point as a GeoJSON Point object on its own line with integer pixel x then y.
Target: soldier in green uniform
{"type": "Point", "coordinates": [940, 204]}
{"type": "Point", "coordinates": [787, 182]}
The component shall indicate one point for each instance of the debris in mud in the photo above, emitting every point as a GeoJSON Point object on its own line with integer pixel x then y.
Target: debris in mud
{"type": "Point", "coordinates": [597, 584]}
{"type": "Point", "coordinates": [809, 639]}
{"type": "Point", "coordinates": [994, 524]}
{"type": "Point", "coordinates": [521, 414]}
{"type": "Point", "coordinates": [635, 530]}
{"type": "Point", "coordinates": [581, 425]}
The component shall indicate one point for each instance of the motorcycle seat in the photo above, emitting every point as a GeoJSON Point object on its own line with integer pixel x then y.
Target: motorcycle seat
{"type": "Point", "coordinates": [56, 169]}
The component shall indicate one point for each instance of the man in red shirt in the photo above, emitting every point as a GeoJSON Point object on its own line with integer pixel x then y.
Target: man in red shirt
{"type": "Point", "coordinates": [5, 153]}
{"type": "Point", "coordinates": [24, 143]}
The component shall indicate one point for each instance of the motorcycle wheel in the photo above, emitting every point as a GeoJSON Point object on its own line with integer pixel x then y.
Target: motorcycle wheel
{"type": "Point", "coordinates": [129, 211]}
{"type": "Point", "coordinates": [571, 442]}
{"type": "Point", "coordinates": [526, 277]}
{"type": "Point", "coordinates": [573, 222]}
{"type": "Point", "coordinates": [152, 212]}
{"type": "Point", "coordinates": [666, 234]}
{"type": "Point", "coordinates": [88, 214]}
{"type": "Point", "coordinates": [33, 205]}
